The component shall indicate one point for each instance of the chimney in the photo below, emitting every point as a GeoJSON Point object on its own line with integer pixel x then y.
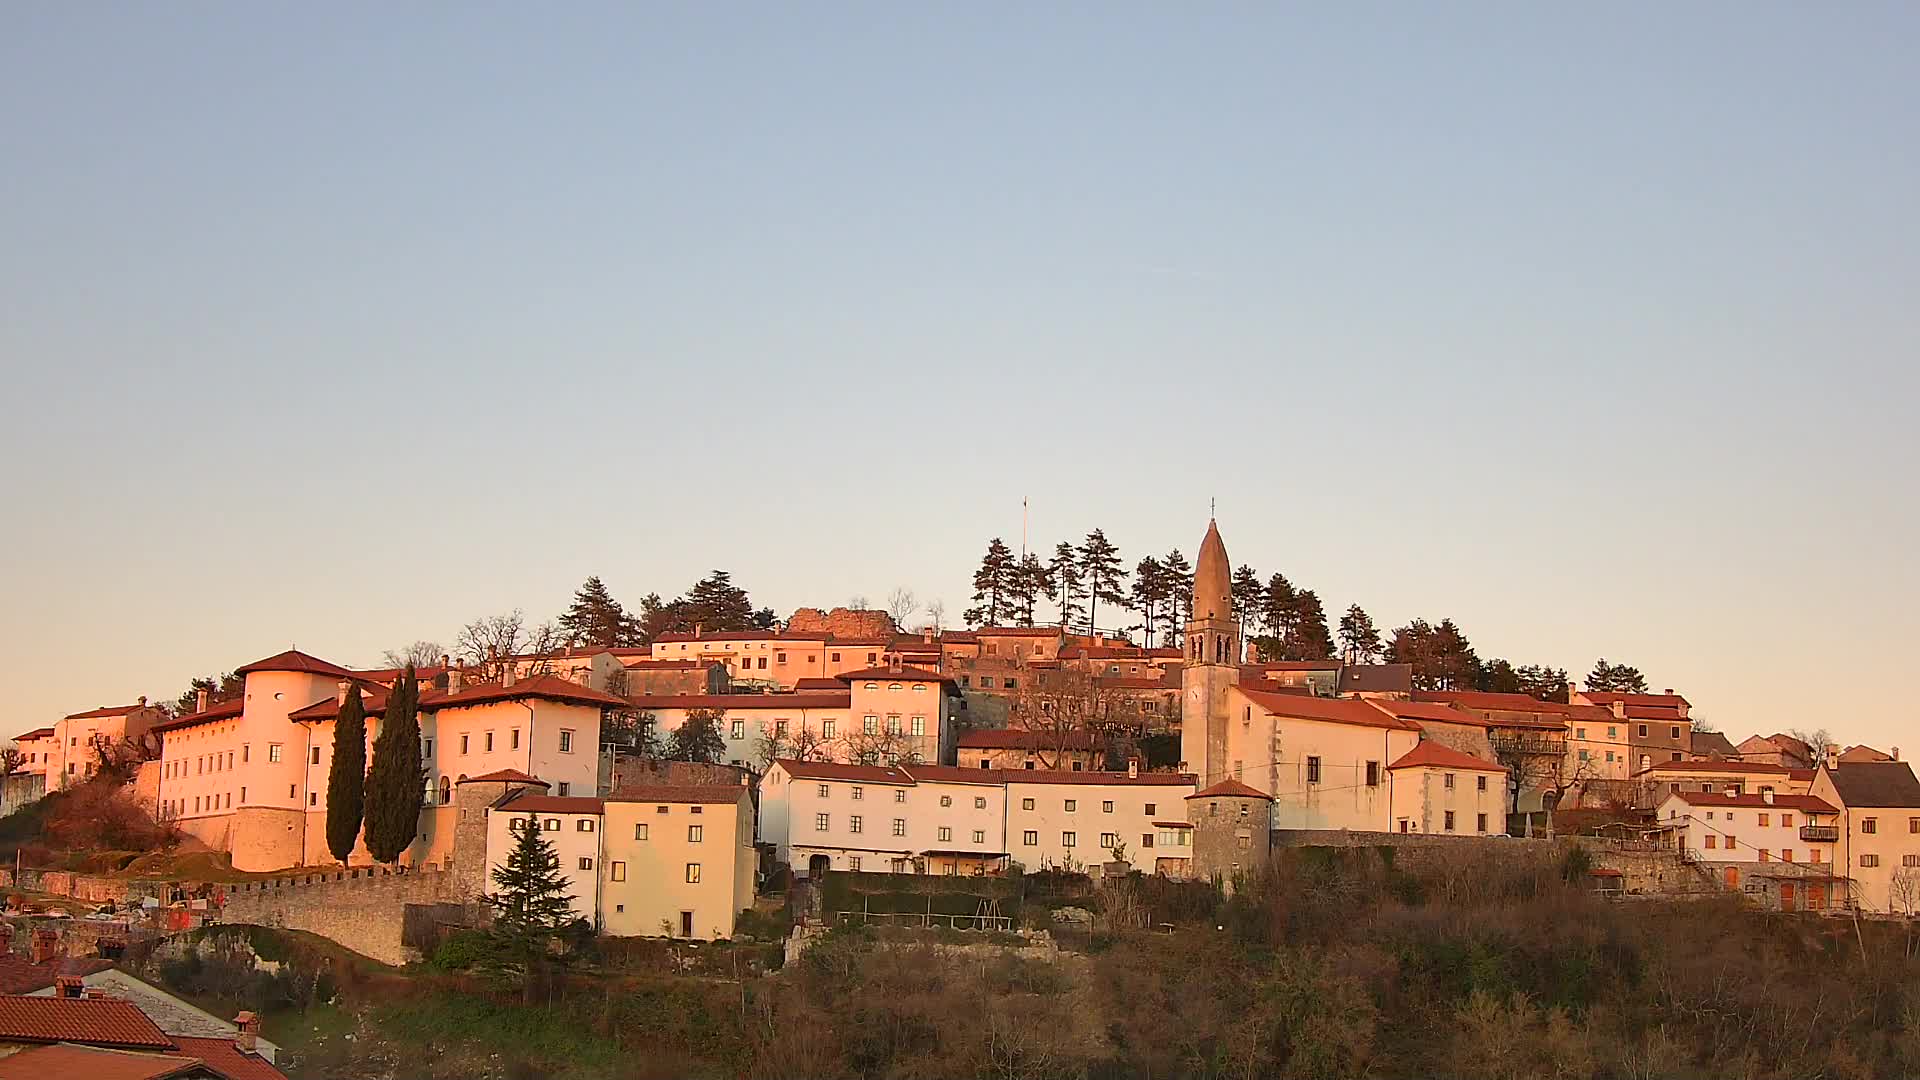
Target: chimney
{"type": "Point", "coordinates": [1573, 688]}
{"type": "Point", "coordinates": [509, 673]}
{"type": "Point", "coordinates": [1766, 796]}
{"type": "Point", "coordinates": [455, 681]}
{"type": "Point", "coordinates": [926, 637]}
{"type": "Point", "coordinates": [1732, 791]}
{"type": "Point", "coordinates": [1619, 710]}
{"type": "Point", "coordinates": [46, 946]}
{"type": "Point", "coordinates": [340, 692]}
{"type": "Point", "coordinates": [1133, 768]}
{"type": "Point", "coordinates": [95, 993]}
{"type": "Point", "coordinates": [1668, 691]}
{"type": "Point", "coordinates": [1894, 753]}
{"type": "Point", "coordinates": [68, 986]}
{"type": "Point", "coordinates": [446, 662]}
{"type": "Point", "coordinates": [894, 663]}
{"type": "Point", "coordinates": [248, 1037]}
{"type": "Point", "coordinates": [143, 701]}
{"type": "Point", "coordinates": [200, 702]}
{"type": "Point", "coordinates": [1833, 757]}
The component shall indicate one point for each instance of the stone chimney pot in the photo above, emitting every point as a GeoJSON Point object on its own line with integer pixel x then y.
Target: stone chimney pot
{"type": "Point", "coordinates": [455, 681]}
{"type": "Point", "coordinates": [340, 692]}
{"type": "Point", "coordinates": [1766, 796]}
{"type": "Point", "coordinates": [200, 702]}
{"type": "Point", "coordinates": [143, 701]}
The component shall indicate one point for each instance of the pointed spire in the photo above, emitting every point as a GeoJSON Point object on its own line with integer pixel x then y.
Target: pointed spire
{"type": "Point", "coordinates": [1212, 578]}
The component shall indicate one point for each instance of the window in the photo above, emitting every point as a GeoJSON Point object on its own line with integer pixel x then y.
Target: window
{"type": "Point", "coordinates": [979, 802]}
{"type": "Point", "coordinates": [1675, 733]}
{"type": "Point", "coordinates": [695, 833]}
{"type": "Point", "coordinates": [870, 725]}
{"type": "Point", "coordinates": [273, 752]}
{"type": "Point", "coordinates": [426, 749]}
{"type": "Point", "coordinates": [564, 786]}
{"type": "Point", "coordinates": [986, 682]}
{"type": "Point", "coordinates": [1583, 753]}
{"type": "Point", "coordinates": [1068, 839]}
{"type": "Point", "coordinates": [289, 789]}
{"type": "Point", "coordinates": [1710, 841]}
{"type": "Point", "coordinates": [1449, 824]}
{"type": "Point", "coordinates": [566, 742]}
{"type": "Point", "coordinates": [780, 729]}
{"type": "Point", "coordinates": [738, 729]}
{"type": "Point", "coordinates": [779, 658]}
{"type": "Point", "coordinates": [1814, 855]}
{"type": "Point", "coordinates": [1313, 770]}
{"type": "Point", "coordinates": [1643, 731]}
{"type": "Point", "coordinates": [513, 739]}
{"type": "Point", "coordinates": [858, 794]}
{"type": "Point", "coordinates": [918, 726]}
{"type": "Point", "coordinates": [1613, 732]}
{"type": "Point", "coordinates": [617, 872]}
{"type": "Point", "coordinates": [826, 729]}
{"type": "Point", "coordinates": [1913, 824]}
{"type": "Point", "coordinates": [1146, 840]}
{"type": "Point", "coordinates": [854, 824]}
{"type": "Point", "coordinates": [1786, 854]}
{"type": "Point", "coordinates": [640, 831]}
{"type": "Point", "coordinates": [463, 742]}
{"type": "Point", "coordinates": [1030, 838]}
{"type": "Point", "coordinates": [900, 796]}
{"type": "Point", "coordinates": [1448, 783]}
{"type": "Point", "coordinates": [1072, 805]}
{"type": "Point", "coordinates": [1869, 860]}
{"type": "Point", "coordinates": [1010, 683]}
{"type": "Point", "coordinates": [586, 863]}
{"type": "Point", "coordinates": [1869, 825]}
{"type": "Point", "coordinates": [979, 836]}
{"type": "Point", "coordinates": [693, 878]}
{"type": "Point", "coordinates": [1151, 809]}
{"type": "Point", "coordinates": [1026, 804]}
{"type": "Point", "coordinates": [899, 826]}
{"type": "Point", "coordinates": [1786, 821]}
{"type": "Point", "coordinates": [1579, 733]}
{"type": "Point", "coordinates": [315, 755]}
{"type": "Point", "coordinates": [853, 863]}
{"type": "Point", "coordinates": [243, 794]}
{"type": "Point", "coordinates": [820, 822]}
{"type": "Point", "coordinates": [552, 824]}
{"type": "Point", "coordinates": [489, 742]}
{"type": "Point", "coordinates": [1109, 841]}
{"type": "Point", "coordinates": [1373, 774]}
{"type": "Point", "coordinates": [1480, 822]}
{"type": "Point", "coordinates": [1910, 860]}
{"type": "Point", "coordinates": [313, 798]}
{"type": "Point", "coordinates": [893, 723]}
{"type": "Point", "coordinates": [825, 791]}
{"type": "Point", "coordinates": [583, 825]}
{"type": "Point", "coordinates": [945, 834]}
{"type": "Point", "coordinates": [946, 800]}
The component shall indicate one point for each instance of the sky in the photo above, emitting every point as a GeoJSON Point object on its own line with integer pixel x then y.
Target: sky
{"type": "Point", "coordinates": [1591, 329]}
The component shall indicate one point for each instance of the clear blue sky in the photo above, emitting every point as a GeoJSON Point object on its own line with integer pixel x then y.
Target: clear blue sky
{"type": "Point", "coordinates": [1595, 331]}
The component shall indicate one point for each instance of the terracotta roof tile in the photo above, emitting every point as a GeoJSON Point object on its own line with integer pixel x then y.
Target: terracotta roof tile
{"type": "Point", "coordinates": [1063, 776]}
{"type": "Point", "coordinates": [1607, 697]}
{"type": "Point", "coordinates": [1428, 753]}
{"type": "Point", "coordinates": [953, 774]}
{"type": "Point", "coordinates": [743, 702]}
{"type": "Point", "coordinates": [105, 710]}
{"type": "Point", "coordinates": [1230, 789]}
{"type": "Point", "coordinates": [226, 710]}
{"type": "Point", "coordinates": [36, 733]}
{"type": "Point", "coordinates": [1330, 710]}
{"type": "Point", "coordinates": [743, 635]}
{"type": "Point", "coordinates": [833, 770]}
{"type": "Point", "coordinates": [528, 803]}
{"type": "Point", "coordinates": [66, 1061]}
{"type": "Point", "coordinates": [709, 794]}
{"type": "Point", "coordinates": [18, 975]}
{"type": "Point", "coordinates": [551, 687]}
{"type": "Point", "coordinates": [504, 776]}
{"type": "Point", "coordinates": [1876, 783]}
{"type": "Point", "coordinates": [295, 660]}
{"type": "Point", "coordinates": [1017, 631]}
{"type": "Point", "coordinates": [1749, 767]}
{"type": "Point", "coordinates": [1755, 799]}
{"type": "Point", "coordinates": [94, 1021]}
{"type": "Point", "coordinates": [905, 674]}
{"type": "Point", "coordinates": [227, 1059]}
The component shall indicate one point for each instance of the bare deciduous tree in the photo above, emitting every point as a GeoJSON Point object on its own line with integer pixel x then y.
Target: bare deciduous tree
{"type": "Point", "coordinates": [806, 744]}
{"type": "Point", "coordinates": [901, 604]}
{"type": "Point", "coordinates": [489, 644]}
{"type": "Point", "coordinates": [881, 746]}
{"type": "Point", "coordinates": [936, 614]}
{"type": "Point", "coordinates": [1817, 742]}
{"type": "Point", "coordinates": [420, 654]}
{"type": "Point", "coordinates": [1068, 710]}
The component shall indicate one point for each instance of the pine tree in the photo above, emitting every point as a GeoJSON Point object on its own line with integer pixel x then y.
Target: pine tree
{"type": "Point", "coordinates": [1310, 639]}
{"type": "Point", "coordinates": [1064, 572]}
{"type": "Point", "coordinates": [1359, 638]}
{"type": "Point", "coordinates": [698, 738]}
{"type": "Point", "coordinates": [1180, 584]}
{"type": "Point", "coordinates": [1031, 581]}
{"type": "Point", "coordinates": [716, 604]}
{"type": "Point", "coordinates": [347, 776]}
{"type": "Point", "coordinates": [1440, 655]}
{"type": "Point", "coordinates": [1151, 591]}
{"type": "Point", "coordinates": [1615, 678]}
{"type": "Point", "coordinates": [531, 906]}
{"type": "Point", "coordinates": [597, 619]}
{"type": "Point", "coordinates": [992, 587]}
{"type": "Point", "coordinates": [1102, 573]}
{"type": "Point", "coordinates": [1247, 594]}
{"type": "Point", "coordinates": [394, 783]}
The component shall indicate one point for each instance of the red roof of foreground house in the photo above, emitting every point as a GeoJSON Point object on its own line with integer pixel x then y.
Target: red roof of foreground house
{"type": "Point", "coordinates": [227, 1059]}
{"type": "Point", "coordinates": [36, 733]}
{"type": "Point", "coordinates": [1062, 776]}
{"type": "Point", "coordinates": [94, 1021]}
{"type": "Point", "coordinates": [1329, 710]}
{"type": "Point", "coordinates": [1758, 801]}
{"type": "Point", "coordinates": [833, 770]}
{"type": "Point", "coordinates": [89, 1063]}
{"type": "Point", "coordinates": [295, 660]}
{"type": "Point", "coordinates": [743, 702]}
{"type": "Point", "coordinates": [679, 793]}
{"type": "Point", "coordinates": [1660, 701]}
{"type": "Point", "coordinates": [551, 687]}
{"type": "Point", "coordinates": [1752, 767]}
{"type": "Point", "coordinates": [225, 710]}
{"type": "Point", "coordinates": [1431, 754]}
{"type": "Point", "coordinates": [1007, 739]}
{"type": "Point", "coordinates": [953, 774]}
{"type": "Point", "coordinates": [1291, 665]}
{"type": "Point", "coordinates": [373, 702]}
{"type": "Point", "coordinates": [106, 710]}
{"type": "Point", "coordinates": [504, 776]}
{"type": "Point", "coordinates": [527, 803]}
{"type": "Point", "coordinates": [1230, 789]}
{"type": "Point", "coordinates": [18, 975]}
{"type": "Point", "coordinates": [1416, 711]}
{"type": "Point", "coordinates": [743, 635]}
{"type": "Point", "coordinates": [816, 682]}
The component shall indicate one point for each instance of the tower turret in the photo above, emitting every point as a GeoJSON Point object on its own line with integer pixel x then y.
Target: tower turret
{"type": "Point", "coordinates": [1212, 662]}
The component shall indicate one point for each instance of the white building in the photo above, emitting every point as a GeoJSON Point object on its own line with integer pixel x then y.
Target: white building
{"type": "Point", "coordinates": [571, 825]}
{"type": "Point", "coordinates": [1076, 820]}
{"type": "Point", "coordinates": [1738, 832]}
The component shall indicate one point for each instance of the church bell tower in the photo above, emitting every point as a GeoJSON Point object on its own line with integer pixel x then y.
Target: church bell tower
{"type": "Point", "coordinates": [1212, 663]}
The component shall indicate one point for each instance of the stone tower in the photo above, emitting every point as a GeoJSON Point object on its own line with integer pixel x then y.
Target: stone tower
{"type": "Point", "coordinates": [1212, 663]}
{"type": "Point", "coordinates": [1232, 840]}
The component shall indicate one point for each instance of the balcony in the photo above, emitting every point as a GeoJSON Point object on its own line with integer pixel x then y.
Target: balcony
{"type": "Point", "coordinates": [1820, 834]}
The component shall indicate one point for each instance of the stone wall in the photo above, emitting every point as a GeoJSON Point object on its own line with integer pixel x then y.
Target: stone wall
{"type": "Point", "coordinates": [20, 789]}
{"type": "Point", "coordinates": [362, 909]}
{"type": "Point", "coordinates": [1411, 850]}
{"type": "Point", "coordinates": [627, 772]}
{"type": "Point", "coordinates": [842, 622]}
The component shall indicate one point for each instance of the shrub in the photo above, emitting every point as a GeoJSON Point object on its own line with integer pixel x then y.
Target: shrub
{"type": "Point", "coordinates": [462, 950]}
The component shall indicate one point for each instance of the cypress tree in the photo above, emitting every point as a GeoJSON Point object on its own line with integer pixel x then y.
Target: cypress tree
{"type": "Point", "coordinates": [347, 778]}
{"type": "Point", "coordinates": [394, 782]}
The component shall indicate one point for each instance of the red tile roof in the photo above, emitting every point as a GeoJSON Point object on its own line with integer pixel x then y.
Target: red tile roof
{"type": "Point", "coordinates": [1428, 753]}
{"type": "Point", "coordinates": [66, 1061]}
{"type": "Point", "coordinates": [1061, 776]}
{"type": "Point", "coordinates": [1230, 789]}
{"type": "Point", "coordinates": [504, 776]}
{"type": "Point", "coordinates": [18, 975]}
{"type": "Point", "coordinates": [743, 702]}
{"type": "Point", "coordinates": [709, 794]}
{"type": "Point", "coordinates": [953, 774]}
{"type": "Point", "coordinates": [1754, 767]}
{"type": "Point", "coordinates": [1806, 803]}
{"type": "Point", "coordinates": [744, 635]}
{"type": "Point", "coordinates": [105, 710]}
{"type": "Point", "coordinates": [225, 1058]}
{"type": "Point", "coordinates": [528, 803]}
{"type": "Point", "coordinates": [815, 682]}
{"type": "Point", "coordinates": [36, 733]}
{"type": "Point", "coordinates": [905, 674]}
{"type": "Point", "coordinates": [1007, 739]}
{"type": "Point", "coordinates": [833, 770]}
{"type": "Point", "coordinates": [226, 710]}
{"type": "Point", "coordinates": [1417, 711]}
{"type": "Point", "coordinates": [1606, 697]}
{"type": "Point", "coordinates": [1291, 665]}
{"type": "Point", "coordinates": [1017, 631]}
{"type": "Point", "coordinates": [94, 1021]}
{"type": "Point", "coordinates": [1331, 710]}
{"type": "Point", "coordinates": [550, 687]}
{"type": "Point", "coordinates": [1650, 712]}
{"type": "Point", "coordinates": [373, 701]}
{"type": "Point", "coordinates": [295, 660]}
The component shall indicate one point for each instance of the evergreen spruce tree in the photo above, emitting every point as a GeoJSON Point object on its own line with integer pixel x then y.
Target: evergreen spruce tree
{"type": "Point", "coordinates": [1102, 574]}
{"type": "Point", "coordinates": [1310, 639]}
{"type": "Point", "coordinates": [1180, 582]}
{"type": "Point", "coordinates": [347, 776]}
{"type": "Point", "coordinates": [1247, 595]}
{"type": "Point", "coordinates": [597, 619]}
{"type": "Point", "coordinates": [1151, 591]}
{"type": "Point", "coordinates": [699, 738]}
{"type": "Point", "coordinates": [1031, 582]}
{"type": "Point", "coordinates": [1615, 678]}
{"type": "Point", "coordinates": [993, 587]}
{"type": "Point", "coordinates": [1064, 571]}
{"type": "Point", "coordinates": [1359, 638]}
{"type": "Point", "coordinates": [394, 783]}
{"type": "Point", "coordinates": [715, 603]}
{"type": "Point", "coordinates": [531, 906]}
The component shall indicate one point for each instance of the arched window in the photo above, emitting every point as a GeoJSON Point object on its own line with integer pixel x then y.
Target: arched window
{"type": "Point", "coordinates": [446, 791]}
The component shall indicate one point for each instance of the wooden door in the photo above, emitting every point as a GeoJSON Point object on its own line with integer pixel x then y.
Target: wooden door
{"type": "Point", "coordinates": [1786, 896]}
{"type": "Point", "coordinates": [1733, 877]}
